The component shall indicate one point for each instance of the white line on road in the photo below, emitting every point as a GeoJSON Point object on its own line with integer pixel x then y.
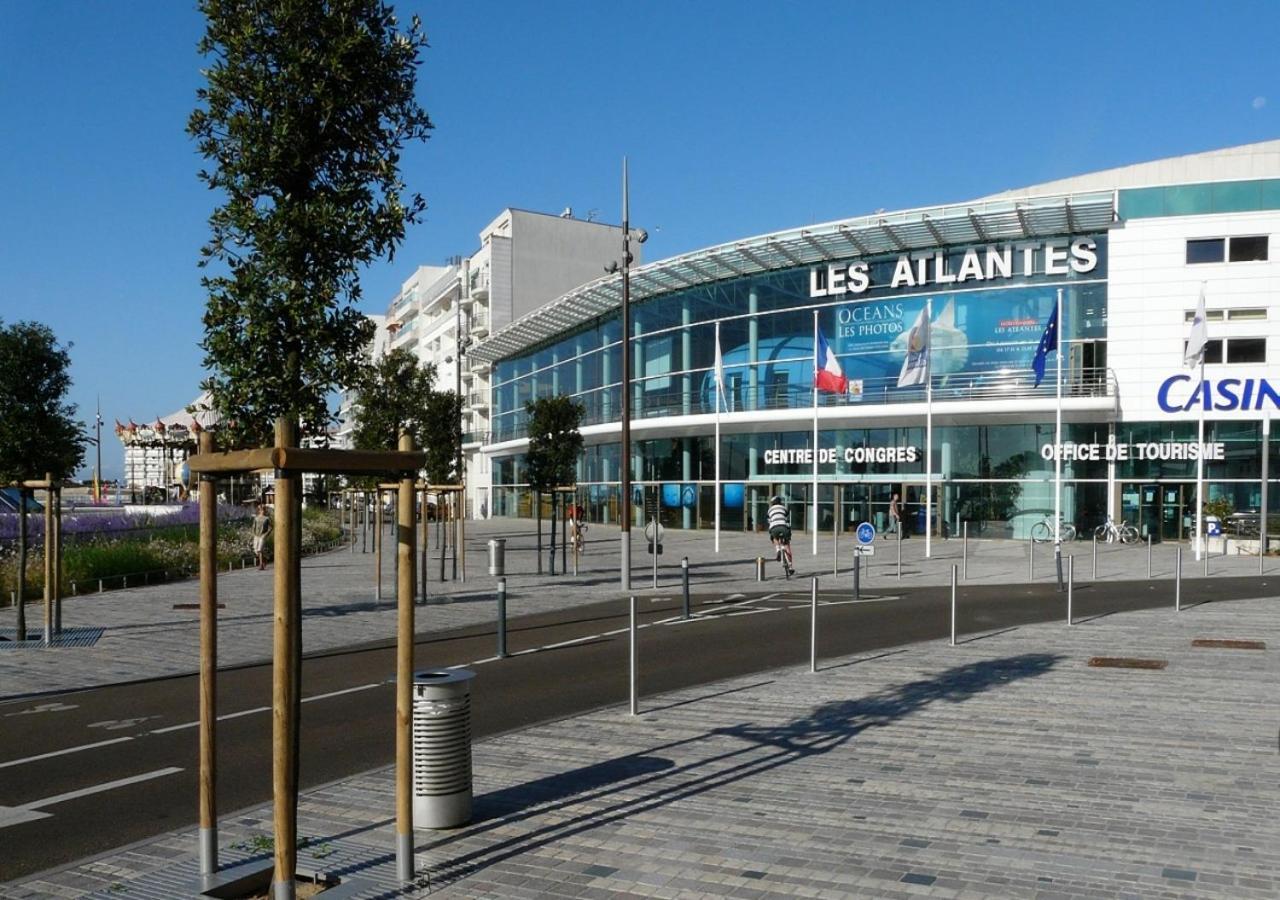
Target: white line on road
{"type": "Point", "coordinates": [18, 762]}
{"type": "Point", "coordinates": [99, 788]}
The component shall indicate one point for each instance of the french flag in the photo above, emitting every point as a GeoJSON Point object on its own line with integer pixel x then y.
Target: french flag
{"type": "Point", "coordinates": [828, 376]}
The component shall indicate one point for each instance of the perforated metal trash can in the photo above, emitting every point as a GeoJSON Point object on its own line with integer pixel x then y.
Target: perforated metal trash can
{"type": "Point", "coordinates": [442, 748]}
{"type": "Point", "coordinates": [498, 556]}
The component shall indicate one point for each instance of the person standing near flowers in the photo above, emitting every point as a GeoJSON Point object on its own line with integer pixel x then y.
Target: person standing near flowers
{"type": "Point", "coordinates": [261, 528]}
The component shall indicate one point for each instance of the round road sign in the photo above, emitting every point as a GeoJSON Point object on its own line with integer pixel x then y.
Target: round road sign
{"type": "Point", "coordinates": [866, 533]}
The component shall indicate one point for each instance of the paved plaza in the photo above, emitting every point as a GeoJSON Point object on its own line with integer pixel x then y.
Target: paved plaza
{"type": "Point", "coordinates": [1005, 766]}
{"type": "Point", "coordinates": [138, 633]}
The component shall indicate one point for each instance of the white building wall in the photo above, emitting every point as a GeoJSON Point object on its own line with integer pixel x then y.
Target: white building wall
{"type": "Point", "coordinates": [1151, 287]}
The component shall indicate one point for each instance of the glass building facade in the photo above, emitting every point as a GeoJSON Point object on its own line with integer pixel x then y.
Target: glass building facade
{"type": "Point", "coordinates": [993, 435]}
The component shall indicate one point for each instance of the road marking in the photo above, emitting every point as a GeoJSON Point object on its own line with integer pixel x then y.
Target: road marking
{"type": "Point", "coordinates": [42, 708]}
{"type": "Point", "coordinates": [18, 762]}
{"type": "Point", "coordinates": [351, 690]}
{"type": "Point", "coordinates": [99, 788]}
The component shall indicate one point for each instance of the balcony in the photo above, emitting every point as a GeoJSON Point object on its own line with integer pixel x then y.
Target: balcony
{"type": "Point", "coordinates": [480, 323]}
{"type": "Point", "coordinates": [478, 399]}
{"type": "Point", "coordinates": [480, 285]}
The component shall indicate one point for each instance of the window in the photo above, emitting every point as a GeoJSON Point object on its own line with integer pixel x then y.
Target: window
{"type": "Point", "coordinates": [1211, 250]}
{"type": "Point", "coordinates": [1247, 315]}
{"type": "Point", "coordinates": [1248, 249]}
{"type": "Point", "coordinates": [1247, 350]}
{"type": "Point", "coordinates": [1210, 315]}
{"type": "Point", "coordinates": [1235, 351]}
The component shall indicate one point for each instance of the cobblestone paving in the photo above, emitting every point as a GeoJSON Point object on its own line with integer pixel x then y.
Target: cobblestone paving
{"type": "Point", "coordinates": [1004, 767]}
{"type": "Point", "coordinates": [143, 636]}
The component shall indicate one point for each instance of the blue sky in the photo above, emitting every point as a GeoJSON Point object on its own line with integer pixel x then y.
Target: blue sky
{"type": "Point", "coordinates": [739, 118]}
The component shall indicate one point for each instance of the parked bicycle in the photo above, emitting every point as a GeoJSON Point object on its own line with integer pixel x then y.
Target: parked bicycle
{"type": "Point", "coordinates": [1110, 532]}
{"type": "Point", "coordinates": [1042, 532]}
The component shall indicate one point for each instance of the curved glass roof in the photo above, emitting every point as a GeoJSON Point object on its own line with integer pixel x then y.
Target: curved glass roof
{"type": "Point", "coordinates": [985, 221]}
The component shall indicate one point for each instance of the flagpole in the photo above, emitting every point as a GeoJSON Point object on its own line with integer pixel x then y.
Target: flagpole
{"type": "Point", "coordinates": [815, 432]}
{"type": "Point", "coordinates": [1200, 465]}
{"type": "Point", "coordinates": [928, 429]}
{"type": "Point", "coordinates": [718, 375]}
{"type": "Point", "coordinates": [1057, 441]}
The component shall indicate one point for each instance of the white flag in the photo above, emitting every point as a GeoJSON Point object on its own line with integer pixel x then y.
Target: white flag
{"type": "Point", "coordinates": [915, 367]}
{"type": "Point", "coordinates": [719, 370]}
{"type": "Point", "coordinates": [1199, 337]}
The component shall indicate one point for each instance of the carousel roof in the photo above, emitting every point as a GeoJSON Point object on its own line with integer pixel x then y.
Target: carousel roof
{"type": "Point", "coordinates": [179, 426]}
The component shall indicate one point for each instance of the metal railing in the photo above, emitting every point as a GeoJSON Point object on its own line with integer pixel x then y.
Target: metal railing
{"type": "Point", "coordinates": [604, 404]}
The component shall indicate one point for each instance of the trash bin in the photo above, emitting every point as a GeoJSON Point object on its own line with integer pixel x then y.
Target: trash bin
{"type": "Point", "coordinates": [498, 556]}
{"type": "Point", "coordinates": [442, 748]}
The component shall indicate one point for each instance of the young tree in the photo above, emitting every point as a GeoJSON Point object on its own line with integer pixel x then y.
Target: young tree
{"type": "Point", "coordinates": [555, 443]}
{"type": "Point", "coordinates": [306, 112]}
{"type": "Point", "coordinates": [393, 393]}
{"type": "Point", "coordinates": [38, 431]}
{"type": "Point", "coordinates": [444, 415]}
{"type": "Point", "coordinates": [307, 109]}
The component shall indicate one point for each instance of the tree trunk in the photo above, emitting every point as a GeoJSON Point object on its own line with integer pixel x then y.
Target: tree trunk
{"type": "Point", "coordinates": [22, 564]}
{"type": "Point", "coordinates": [537, 515]}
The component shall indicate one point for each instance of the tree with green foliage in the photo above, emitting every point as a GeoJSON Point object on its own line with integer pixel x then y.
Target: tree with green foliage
{"type": "Point", "coordinates": [307, 110]}
{"type": "Point", "coordinates": [444, 417]}
{"type": "Point", "coordinates": [555, 443]}
{"type": "Point", "coordinates": [391, 393]}
{"type": "Point", "coordinates": [38, 430]}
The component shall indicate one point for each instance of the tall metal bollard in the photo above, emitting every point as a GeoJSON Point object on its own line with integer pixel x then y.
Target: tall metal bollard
{"type": "Point", "coordinates": [1177, 583]}
{"type": "Point", "coordinates": [684, 580]}
{"type": "Point", "coordinates": [813, 624]}
{"type": "Point", "coordinates": [1206, 558]}
{"type": "Point", "coordinates": [857, 577]}
{"type": "Point", "coordinates": [1071, 585]}
{"type": "Point", "coordinates": [953, 606]}
{"type": "Point", "coordinates": [635, 662]}
{"type": "Point", "coordinates": [1031, 560]}
{"type": "Point", "coordinates": [964, 559]}
{"type": "Point", "coordinates": [1148, 555]}
{"type": "Point", "coordinates": [502, 618]}
{"type": "Point", "coordinates": [899, 543]}
{"type": "Point", "coordinates": [1095, 557]}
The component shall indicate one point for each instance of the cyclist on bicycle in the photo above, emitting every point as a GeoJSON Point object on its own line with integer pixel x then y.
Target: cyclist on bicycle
{"type": "Point", "coordinates": [780, 533]}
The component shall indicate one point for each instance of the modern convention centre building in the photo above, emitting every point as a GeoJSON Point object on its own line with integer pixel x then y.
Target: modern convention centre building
{"type": "Point", "coordinates": [1131, 250]}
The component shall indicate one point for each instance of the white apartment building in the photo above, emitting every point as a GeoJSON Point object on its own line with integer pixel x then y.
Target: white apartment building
{"type": "Point", "coordinates": [525, 260]}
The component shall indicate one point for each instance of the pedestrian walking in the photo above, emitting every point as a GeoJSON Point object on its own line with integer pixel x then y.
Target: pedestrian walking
{"type": "Point", "coordinates": [261, 528]}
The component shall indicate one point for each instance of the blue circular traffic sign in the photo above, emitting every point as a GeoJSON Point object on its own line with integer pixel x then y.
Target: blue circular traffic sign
{"type": "Point", "coordinates": [866, 533]}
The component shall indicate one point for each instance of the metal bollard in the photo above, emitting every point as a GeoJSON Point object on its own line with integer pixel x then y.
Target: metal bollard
{"type": "Point", "coordinates": [1071, 570]}
{"type": "Point", "coordinates": [1206, 558]}
{"type": "Point", "coordinates": [953, 606]}
{"type": "Point", "coordinates": [684, 578]}
{"type": "Point", "coordinates": [634, 666]}
{"type": "Point", "coordinates": [813, 624]}
{"type": "Point", "coordinates": [759, 568]}
{"type": "Point", "coordinates": [857, 577]}
{"type": "Point", "coordinates": [1031, 560]}
{"type": "Point", "coordinates": [502, 618]}
{"type": "Point", "coordinates": [1177, 583]}
{"type": "Point", "coordinates": [99, 585]}
{"type": "Point", "coordinates": [1095, 557]}
{"type": "Point", "coordinates": [964, 559]}
{"type": "Point", "coordinates": [1148, 555]}
{"type": "Point", "coordinates": [899, 543]}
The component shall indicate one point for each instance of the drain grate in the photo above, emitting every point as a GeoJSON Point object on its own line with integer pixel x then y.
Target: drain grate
{"type": "Point", "coordinates": [1126, 662]}
{"type": "Point", "coordinates": [1229, 644]}
{"type": "Point", "coordinates": [70, 637]}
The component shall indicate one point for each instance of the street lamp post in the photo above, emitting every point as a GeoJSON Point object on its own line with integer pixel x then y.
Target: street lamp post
{"type": "Point", "coordinates": [625, 460]}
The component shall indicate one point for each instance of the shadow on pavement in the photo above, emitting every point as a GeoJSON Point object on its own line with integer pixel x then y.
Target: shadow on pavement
{"type": "Point", "coordinates": [614, 790]}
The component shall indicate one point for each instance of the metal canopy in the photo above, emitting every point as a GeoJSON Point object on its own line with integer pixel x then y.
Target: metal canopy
{"type": "Point", "coordinates": [882, 233]}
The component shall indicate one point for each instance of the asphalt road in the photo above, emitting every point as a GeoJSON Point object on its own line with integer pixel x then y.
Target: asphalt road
{"type": "Point", "coordinates": [87, 771]}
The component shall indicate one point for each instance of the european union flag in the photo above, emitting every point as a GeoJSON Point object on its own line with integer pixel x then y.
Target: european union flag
{"type": "Point", "coordinates": [1048, 344]}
